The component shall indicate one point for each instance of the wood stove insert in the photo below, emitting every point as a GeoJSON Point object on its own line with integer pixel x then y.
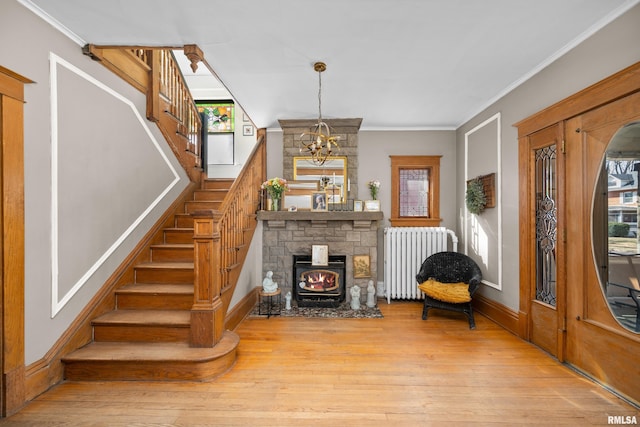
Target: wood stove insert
{"type": "Point", "coordinates": [319, 286]}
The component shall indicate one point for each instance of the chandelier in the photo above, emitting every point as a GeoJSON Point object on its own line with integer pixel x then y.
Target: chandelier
{"type": "Point", "coordinates": [318, 142]}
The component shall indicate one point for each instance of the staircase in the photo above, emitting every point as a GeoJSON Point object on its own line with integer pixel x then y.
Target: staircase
{"type": "Point", "coordinates": [146, 336]}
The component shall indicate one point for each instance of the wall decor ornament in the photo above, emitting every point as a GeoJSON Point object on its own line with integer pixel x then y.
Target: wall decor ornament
{"type": "Point", "coordinates": [476, 199]}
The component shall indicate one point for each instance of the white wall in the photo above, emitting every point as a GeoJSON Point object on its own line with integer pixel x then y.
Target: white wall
{"type": "Point", "coordinates": [604, 53]}
{"type": "Point", "coordinates": [113, 177]}
{"type": "Point", "coordinates": [250, 276]}
{"type": "Point", "coordinates": [242, 148]}
{"type": "Point", "coordinates": [374, 149]}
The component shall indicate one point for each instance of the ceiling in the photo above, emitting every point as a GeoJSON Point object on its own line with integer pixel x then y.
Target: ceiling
{"type": "Point", "coordinates": [402, 64]}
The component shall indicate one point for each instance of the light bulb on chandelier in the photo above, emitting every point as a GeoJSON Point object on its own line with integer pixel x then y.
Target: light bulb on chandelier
{"type": "Point", "coordinates": [318, 142]}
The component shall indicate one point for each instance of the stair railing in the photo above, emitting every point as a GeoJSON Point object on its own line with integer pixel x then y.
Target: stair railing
{"type": "Point", "coordinates": [221, 242]}
{"type": "Point", "coordinates": [221, 237]}
{"type": "Point", "coordinates": [155, 72]}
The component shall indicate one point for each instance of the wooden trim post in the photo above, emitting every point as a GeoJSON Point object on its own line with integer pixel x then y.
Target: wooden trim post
{"type": "Point", "coordinates": [153, 90]}
{"type": "Point", "coordinates": [207, 314]}
{"type": "Point", "coordinates": [12, 380]}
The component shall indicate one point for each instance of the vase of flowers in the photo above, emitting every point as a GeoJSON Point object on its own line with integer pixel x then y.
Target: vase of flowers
{"type": "Point", "coordinates": [374, 186]}
{"type": "Point", "coordinates": [275, 187]}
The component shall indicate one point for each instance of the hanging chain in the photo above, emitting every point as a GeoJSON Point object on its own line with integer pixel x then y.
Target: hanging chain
{"type": "Point", "coordinates": [320, 95]}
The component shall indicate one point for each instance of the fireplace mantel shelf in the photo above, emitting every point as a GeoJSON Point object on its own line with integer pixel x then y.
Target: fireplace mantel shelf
{"type": "Point", "coordinates": [360, 219]}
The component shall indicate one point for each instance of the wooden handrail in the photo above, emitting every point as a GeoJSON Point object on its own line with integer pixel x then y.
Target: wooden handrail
{"type": "Point", "coordinates": [155, 72]}
{"type": "Point", "coordinates": [221, 241]}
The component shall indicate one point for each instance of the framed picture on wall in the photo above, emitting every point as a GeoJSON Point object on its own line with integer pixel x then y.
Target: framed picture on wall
{"type": "Point", "coordinates": [247, 130]}
{"type": "Point", "coordinates": [320, 255]}
{"type": "Point", "coordinates": [219, 116]}
{"type": "Point", "coordinates": [361, 266]}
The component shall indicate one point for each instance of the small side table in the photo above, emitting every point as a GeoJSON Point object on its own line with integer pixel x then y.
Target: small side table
{"type": "Point", "coordinates": [272, 301]}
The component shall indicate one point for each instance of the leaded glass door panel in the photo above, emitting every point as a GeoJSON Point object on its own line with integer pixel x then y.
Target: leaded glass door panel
{"type": "Point", "coordinates": [546, 253]}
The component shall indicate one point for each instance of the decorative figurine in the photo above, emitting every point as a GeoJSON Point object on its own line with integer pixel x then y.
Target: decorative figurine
{"type": "Point", "coordinates": [355, 297]}
{"type": "Point", "coordinates": [287, 299]}
{"type": "Point", "coordinates": [268, 285]}
{"type": "Point", "coordinates": [371, 295]}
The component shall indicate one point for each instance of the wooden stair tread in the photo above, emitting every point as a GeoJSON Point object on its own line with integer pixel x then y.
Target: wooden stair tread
{"type": "Point", "coordinates": [166, 265]}
{"type": "Point", "coordinates": [175, 318]}
{"type": "Point", "coordinates": [173, 245]}
{"type": "Point", "coordinates": [153, 352]}
{"type": "Point", "coordinates": [156, 288]}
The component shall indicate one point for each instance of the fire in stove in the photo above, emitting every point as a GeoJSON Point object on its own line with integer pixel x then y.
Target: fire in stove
{"type": "Point", "coordinates": [319, 280]}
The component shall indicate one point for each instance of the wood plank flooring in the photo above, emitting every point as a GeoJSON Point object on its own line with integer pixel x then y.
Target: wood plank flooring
{"type": "Point", "coordinates": [396, 371]}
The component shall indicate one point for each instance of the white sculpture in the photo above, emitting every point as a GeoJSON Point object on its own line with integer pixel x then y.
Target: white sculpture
{"type": "Point", "coordinates": [355, 297]}
{"type": "Point", "coordinates": [287, 299]}
{"type": "Point", "coordinates": [371, 295]}
{"type": "Point", "coordinates": [268, 285]}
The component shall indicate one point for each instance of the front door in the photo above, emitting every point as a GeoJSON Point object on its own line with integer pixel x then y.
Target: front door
{"type": "Point", "coordinates": [543, 252]}
{"type": "Point", "coordinates": [603, 293]}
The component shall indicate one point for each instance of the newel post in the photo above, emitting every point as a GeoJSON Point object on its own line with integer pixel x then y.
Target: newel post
{"type": "Point", "coordinates": [207, 317]}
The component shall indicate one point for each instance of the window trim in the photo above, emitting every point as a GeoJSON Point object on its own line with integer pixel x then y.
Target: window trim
{"type": "Point", "coordinates": [432, 163]}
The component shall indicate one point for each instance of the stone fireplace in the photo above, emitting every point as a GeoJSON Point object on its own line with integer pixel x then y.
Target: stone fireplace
{"type": "Point", "coordinates": [346, 233]}
{"type": "Point", "coordinates": [285, 234]}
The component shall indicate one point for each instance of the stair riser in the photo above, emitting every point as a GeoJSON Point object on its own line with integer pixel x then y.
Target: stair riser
{"type": "Point", "coordinates": [178, 236]}
{"type": "Point", "coordinates": [139, 333]}
{"type": "Point", "coordinates": [160, 254]}
{"type": "Point", "coordinates": [184, 221]}
{"type": "Point", "coordinates": [194, 206]}
{"type": "Point", "coordinates": [217, 185]}
{"type": "Point", "coordinates": [148, 371]}
{"type": "Point", "coordinates": [210, 195]}
{"type": "Point", "coordinates": [163, 275]}
{"type": "Point", "coordinates": [154, 302]}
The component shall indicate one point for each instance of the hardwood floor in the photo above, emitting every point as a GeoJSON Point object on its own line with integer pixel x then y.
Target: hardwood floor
{"type": "Point", "coordinates": [396, 371]}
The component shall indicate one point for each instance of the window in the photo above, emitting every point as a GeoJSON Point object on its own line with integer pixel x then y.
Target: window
{"type": "Point", "coordinates": [627, 197]}
{"type": "Point", "coordinates": [415, 191]}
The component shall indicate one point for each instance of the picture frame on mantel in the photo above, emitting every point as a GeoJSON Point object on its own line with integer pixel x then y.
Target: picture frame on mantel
{"type": "Point", "coordinates": [372, 205]}
{"type": "Point", "coordinates": [319, 201]}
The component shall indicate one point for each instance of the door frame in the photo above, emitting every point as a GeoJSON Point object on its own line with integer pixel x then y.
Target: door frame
{"type": "Point", "coordinates": [598, 349]}
{"type": "Point", "coordinates": [12, 384]}
{"type": "Point", "coordinates": [533, 312]}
